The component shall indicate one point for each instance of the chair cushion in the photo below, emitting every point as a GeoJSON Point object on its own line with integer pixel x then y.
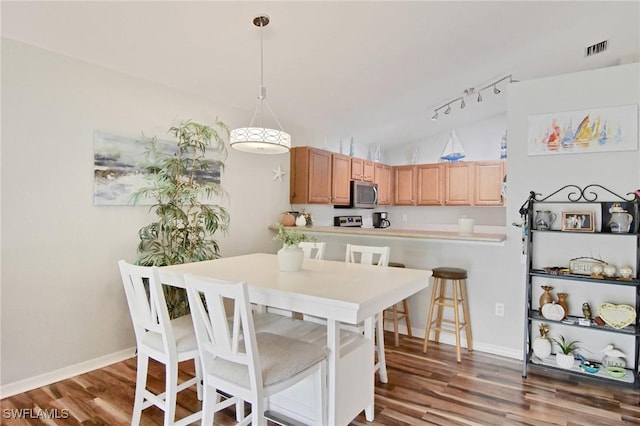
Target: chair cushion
{"type": "Point", "coordinates": [182, 332]}
{"type": "Point", "coordinates": [281, 358]}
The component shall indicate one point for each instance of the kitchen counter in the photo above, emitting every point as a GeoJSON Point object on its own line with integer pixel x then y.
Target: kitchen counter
{"type": "Point", "coordinates": [404, 233]}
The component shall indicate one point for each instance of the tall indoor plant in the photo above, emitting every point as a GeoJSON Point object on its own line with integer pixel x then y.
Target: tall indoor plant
{"type": "Point", "coordinates": [185, 227]}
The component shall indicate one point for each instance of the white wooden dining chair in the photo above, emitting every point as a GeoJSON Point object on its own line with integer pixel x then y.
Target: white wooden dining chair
{"type": "Point", "coordinates": [168, 342]}
{"type": "Point", "coordinates": [238, 361]}
{"type": "Point", "coordinates": [379, 256]}
{"type": "Point", "coordinates": [313, 250]}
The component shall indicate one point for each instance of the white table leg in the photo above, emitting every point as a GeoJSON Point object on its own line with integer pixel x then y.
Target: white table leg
{"type": "Point", "coordinates": [369, 333]}
{"type": "Point", "coordinates": [333, 345]}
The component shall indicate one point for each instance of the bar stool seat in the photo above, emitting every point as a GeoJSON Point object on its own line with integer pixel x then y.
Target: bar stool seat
{"type": "Point", "coordinates": [458, 298]}
{"type": "Point", "coordinates": [394, 314]}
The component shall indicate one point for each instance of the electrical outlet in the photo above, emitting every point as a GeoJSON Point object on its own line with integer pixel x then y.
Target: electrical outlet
{"type": "Point", "coordinates": [404, 218]}
{"type": "Point", "coordinates": [500, 309]}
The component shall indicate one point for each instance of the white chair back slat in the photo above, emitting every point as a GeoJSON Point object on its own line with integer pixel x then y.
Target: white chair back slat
{"type": "Point", "coordinates": [367, 255]}
{"type": "Point", "coordinates": [146, 301]}
{"type": "Point", "coordinates": [310, 247]}
{"type": "Point", "coordinates": [238, 346]}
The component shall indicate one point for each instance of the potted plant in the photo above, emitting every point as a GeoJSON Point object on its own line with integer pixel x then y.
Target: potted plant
{"type": "Point", "coordinates": [565, 358]}
{"type": "Point", "coordinates": [186, 225]}
{"type": "Point", "coordinates": [290, 256]}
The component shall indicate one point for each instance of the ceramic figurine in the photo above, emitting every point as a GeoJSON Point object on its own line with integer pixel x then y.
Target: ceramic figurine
{"type": "Point", "coordinates": [586, 311]}
{"type": "Point", "coordinates": [542, 344]}
{"type": "Point", "coordinates": [613, 357]}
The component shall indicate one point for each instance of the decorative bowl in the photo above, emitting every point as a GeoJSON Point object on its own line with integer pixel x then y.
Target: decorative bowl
{"type": "Point", "coordinates": [589, 368]}
{"type": "Point", "coordinates": [616, 372]}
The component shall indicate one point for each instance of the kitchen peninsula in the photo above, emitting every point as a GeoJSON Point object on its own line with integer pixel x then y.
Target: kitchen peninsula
{"type": "Point", "coordinates": [421, 234]}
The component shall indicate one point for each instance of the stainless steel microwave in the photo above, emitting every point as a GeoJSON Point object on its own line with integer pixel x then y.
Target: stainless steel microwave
{"type": "Point", "coordinates": [364, 195]}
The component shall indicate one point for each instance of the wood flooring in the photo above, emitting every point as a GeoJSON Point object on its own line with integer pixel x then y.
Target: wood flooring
{"type": "Point", "coordinates": [423, 389]}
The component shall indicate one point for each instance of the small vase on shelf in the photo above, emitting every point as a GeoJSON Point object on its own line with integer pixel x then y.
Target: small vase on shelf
{"type": "Point", "coordinates": [562, 301]}
{"type": "Point", "coordinates": [546, 297]}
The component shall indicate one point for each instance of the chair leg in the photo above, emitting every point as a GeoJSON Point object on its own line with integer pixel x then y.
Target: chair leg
{"type": "Point", "coordinates": [379, 330]}
{"type": "Point", "coordinates": [434, 296]}
{"type": "Point", "coordinates": [321, 416]}
{"type": "Point", "coordinates": [442, 284]}
{"type": "Point", "coordinates": [171, 373]}
{"type": "Point", "coordinates": [141, 385]}
{"type": "Point", "coordinates": [456, 316]}
{"type": "Point", "coordinates": [465, 311]}
{"type": "Point", "coordinates": [257, 412]}
{"type": "Point", "coordinates": [209, 401]}
{"type": "Point", "coordinates": [407, 317]}
{"type": "Point", "coordinates": [396, 333]}
{"type": "Point", "coordinates": [198, 368]}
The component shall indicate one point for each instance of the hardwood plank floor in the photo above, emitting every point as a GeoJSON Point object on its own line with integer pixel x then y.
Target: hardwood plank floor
{"type": "Point", "coordinates": [423, 389]}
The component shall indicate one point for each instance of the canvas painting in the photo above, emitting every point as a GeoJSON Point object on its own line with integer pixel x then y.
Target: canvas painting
{"type": "Point", "coordinates": [585, 131]}
{"type": "Point", "coordinates": [116, 169]}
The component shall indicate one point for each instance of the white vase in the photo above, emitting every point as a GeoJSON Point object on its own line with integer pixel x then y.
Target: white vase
{"type": "Point", "coordinates": [301, 221]}
{"type": "Point", "coordinates": [290, 258]}
{"type": "Point", "coordinates": [541, 347]}
{"type": "Point", "coordinates": [565, 361]}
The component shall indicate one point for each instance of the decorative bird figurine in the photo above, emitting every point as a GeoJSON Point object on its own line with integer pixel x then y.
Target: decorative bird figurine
{"type": "Point", "coordinates": [613, 357]}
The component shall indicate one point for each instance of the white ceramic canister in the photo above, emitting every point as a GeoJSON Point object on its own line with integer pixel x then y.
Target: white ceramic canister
{"type": "Point", "coordinates": [465, 225]}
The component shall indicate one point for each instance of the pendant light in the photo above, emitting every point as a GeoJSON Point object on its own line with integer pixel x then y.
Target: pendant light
{"type": "Point", "coordinates": [260, 139]}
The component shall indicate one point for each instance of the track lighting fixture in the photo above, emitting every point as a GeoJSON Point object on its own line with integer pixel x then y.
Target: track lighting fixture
{"type": "Point", "coordinates": [468, 92]}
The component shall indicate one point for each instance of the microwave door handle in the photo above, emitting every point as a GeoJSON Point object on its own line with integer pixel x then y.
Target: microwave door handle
{"type": "Point", "coordinates": [375, 195]}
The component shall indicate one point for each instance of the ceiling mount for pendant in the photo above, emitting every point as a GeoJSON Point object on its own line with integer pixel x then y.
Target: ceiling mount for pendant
{"type": "Point", "coordinates": [260, 139]}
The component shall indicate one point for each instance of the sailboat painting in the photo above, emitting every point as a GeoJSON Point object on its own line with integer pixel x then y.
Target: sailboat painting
{"type": "Point", "coordinates": [597, 130]}
{"type": "Point", "coordinates": [453, 151]}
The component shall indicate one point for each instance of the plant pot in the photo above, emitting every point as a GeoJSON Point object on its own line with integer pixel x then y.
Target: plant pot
{"type": "Point", "coordinates": [565, 361]}
{"type": "Point", "coordinates": [290, 258]}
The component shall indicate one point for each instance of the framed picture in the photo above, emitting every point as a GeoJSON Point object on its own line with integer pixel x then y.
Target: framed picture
{"type": "Point", "coordinates": [577, 221]}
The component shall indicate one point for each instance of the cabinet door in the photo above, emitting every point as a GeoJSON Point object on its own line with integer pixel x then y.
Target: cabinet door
{"type": "Point", "coordinates": [368, 171]}
{"type": "Point", "coordinates": [459, 184]}
{"type": "Point", "coordinates": [357, 168]}
{"type": "Point", "coordinates": [340, 179]}
{"type": "Point", "coordinates": [488, 183]}
{"type": "Point", "coordinates": [310, 173]}
{"type": "Point", "coordinates": [382, 176]}
{"type": "Point", "coordinates": [404, 186]}
{"type": "Point", "coordinates": [430, 184]}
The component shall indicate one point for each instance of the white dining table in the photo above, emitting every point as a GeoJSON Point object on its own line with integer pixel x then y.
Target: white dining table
{"type": "Point", "coordinates": [336, 291]}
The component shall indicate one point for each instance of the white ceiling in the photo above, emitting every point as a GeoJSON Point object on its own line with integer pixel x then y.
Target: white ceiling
{"type": "Point", "coordinates": [373, 71]}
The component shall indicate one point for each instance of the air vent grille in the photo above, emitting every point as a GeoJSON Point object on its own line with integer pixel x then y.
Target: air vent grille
{"type": "Point", "coordinates": [596, 48]}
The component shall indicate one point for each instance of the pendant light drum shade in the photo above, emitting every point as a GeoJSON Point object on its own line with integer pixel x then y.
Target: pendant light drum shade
{"type": "Point", "coordinates": [260, 139]}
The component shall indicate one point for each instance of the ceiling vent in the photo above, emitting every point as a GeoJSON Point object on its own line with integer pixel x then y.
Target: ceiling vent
{"type": "Point", "coordinates": [596, 48]}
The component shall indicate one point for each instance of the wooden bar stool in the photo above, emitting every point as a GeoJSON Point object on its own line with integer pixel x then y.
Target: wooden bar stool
{"type": "Point", "coordinates": [398, 314]}
{"type": "Point", "coordinates": [457, 277]}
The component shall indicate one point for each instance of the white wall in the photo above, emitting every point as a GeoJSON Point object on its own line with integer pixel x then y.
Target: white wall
{"type": "Point", "coordinates": [62, 300]}
{"type": "Point", "coordinates": [618, 171]}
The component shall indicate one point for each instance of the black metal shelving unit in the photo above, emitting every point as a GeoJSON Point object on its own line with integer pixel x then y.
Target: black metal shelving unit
{"type": "Point", "coordinates": [573, 194]}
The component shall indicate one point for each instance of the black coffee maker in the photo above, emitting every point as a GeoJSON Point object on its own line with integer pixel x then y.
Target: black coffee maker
{"type": "Point", "coordinates": [380, 220]}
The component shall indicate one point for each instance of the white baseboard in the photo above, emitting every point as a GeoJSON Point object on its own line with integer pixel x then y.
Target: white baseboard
{"type": "Point", "coordinates": [65, 373]}
{"type": "Point", "coordinates": [449, 339]}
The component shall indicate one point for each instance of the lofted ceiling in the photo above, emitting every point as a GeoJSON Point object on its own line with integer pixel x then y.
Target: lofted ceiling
{"type": "Point", "coordinates": [374, 71]}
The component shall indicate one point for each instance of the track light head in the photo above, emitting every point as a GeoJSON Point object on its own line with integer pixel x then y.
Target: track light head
{"type": "Point", "coordinates": [479, 97]}
{"type": "Point", "coordinates": [496, 90]}
{"type": "Point", "coordinates": [448, 110]}
{"type": "Point", "coordinates": [435, 116]}
{"type": "Point", "coordinates": [462, 104]}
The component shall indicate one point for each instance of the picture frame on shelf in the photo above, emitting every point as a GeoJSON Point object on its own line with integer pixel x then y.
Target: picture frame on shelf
{"type": "Point", "coordinates": [578, 221]}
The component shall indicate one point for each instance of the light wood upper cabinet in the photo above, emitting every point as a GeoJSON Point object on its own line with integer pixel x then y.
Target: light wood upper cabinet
{"type": "Point", "coordinates": [362, 169]}
{"type": "Point", "coordinates": [488, 183]}
{"type": "Point", "coordinates": [430, 184]}
{"type": "Point", "coordinates": [459, 184]}
{"type": "Point", "coordinates": [340, 179]}
{"type": "Point", "coordinates": [310, 176]}
{"type": "Point", "coordinates": [383, 177]}
{"type": "Point", "coordinates": [404, 186]}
